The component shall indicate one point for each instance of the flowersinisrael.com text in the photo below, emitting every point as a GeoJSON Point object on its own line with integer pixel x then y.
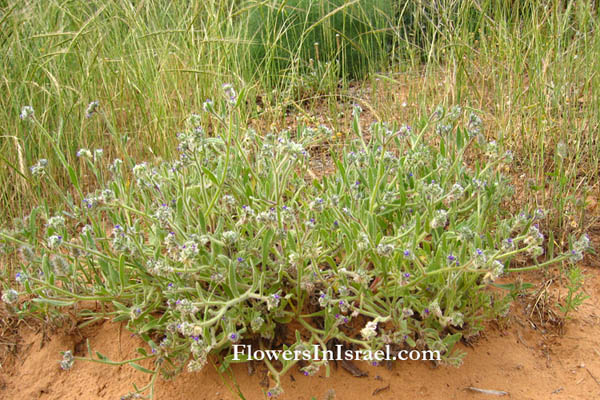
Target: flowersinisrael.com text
{"type": "Point", "coordinates": [246, 352]}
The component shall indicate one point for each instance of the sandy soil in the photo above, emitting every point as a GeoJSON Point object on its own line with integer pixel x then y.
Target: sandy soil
{"type": "Point", "coordinates": [531, 355]}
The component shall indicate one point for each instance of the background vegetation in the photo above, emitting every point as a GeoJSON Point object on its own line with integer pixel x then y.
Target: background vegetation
{"type": "Point", "coordinates": [529, 67]}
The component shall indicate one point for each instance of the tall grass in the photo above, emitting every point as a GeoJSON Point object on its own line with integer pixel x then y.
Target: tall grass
{"type": "Point", "coordinates": [146, 65]}
{"type": "Point", "coordinates": [529, 67]}
{"type": "Point", "coordinates": [289, 37]}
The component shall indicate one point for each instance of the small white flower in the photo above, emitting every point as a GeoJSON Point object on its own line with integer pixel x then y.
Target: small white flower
{"type": "Point", "coordinates": [188, 250]}
{"type": "Point", "coordinates": [369, 331]}
{"type": "Point", "coordinates": [107, 196]}
{"type": "Point", "coordinates": [317, 204]}
{"type": "Point", "coordinates": [26, 112]}
{"type": "Point", "coordinates": [87, 229]}
{"type": "Point", "coordinates": [439, 219]}
{"type": "Point", "coordinates": [583, 243]}
{"type": "Point", "coordinates": [164, 214]}
{"type": "Point", "coordinates": [98, 154]}
{"type": "Point", "coordinates": [197, 365]}
{"type": "Point", "coordinates": [91, 109]}
{"type": "Point", "coordinates": [230, 237]}
{"type": "Point", "coordinates": [230, 93]}
{"type": "Point", "coordinates": [54, 241]}
{"type": "Point", "coordinates": [534, 236]}
{"type": "Point", "coordinates": [273, 301]}
{"type": "Point", "coordinates": [67, 361]}
{"type": "Point", "coordinates": [457, 319]}
{"type": "Point", "coordinates": [363, 241]}
{"type": "Point", "coordinates": [385, 250]}
{"type": "Point", "coordinates": [433, 190]}
{"type": "Point", "coordinates": [496, 269]}
{"type": "Point", "coordinates": [39, 169]}
{"type": "Point", "coordinates": [228, 200]}
{"type": "Point", "coordinates": [194, 120]}
{"type": "Point", "coordinates": [56, 222]}
{"type": "Point", "coordinates": [116, 165]}
{"type": "Point", "coordinates": [575, 256]}
{"type": "Point", "coordinates": [84, 153]}
{"type": "Point", "coordinates": [456, 192]}
{"type": "Point", "coordinates": [10, 296]}
{"type": "Point", "coordinates": [434, 308]}
{"type": "Point", "coordinates": [186, 307]}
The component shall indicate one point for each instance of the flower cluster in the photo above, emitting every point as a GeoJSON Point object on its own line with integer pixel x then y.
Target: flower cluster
{"type": "Point", "coordinates": [91, 109]}
{"type": "Point", "coordinates": [579, 247]}
{"type": "Point", "coordinates": [369, 331]}
{"type": "Point", "coordinates": [67, 361]}
{"type": "Point", "coordinates": [39, 168]}
{"type": "Point", "coordinates": [10, 296]}
{"type": "Point", "coordinates": [27, 112]}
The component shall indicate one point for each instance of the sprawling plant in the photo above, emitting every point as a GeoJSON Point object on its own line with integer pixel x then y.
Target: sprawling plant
{"type": "Point", "coordinates": [236, 238]}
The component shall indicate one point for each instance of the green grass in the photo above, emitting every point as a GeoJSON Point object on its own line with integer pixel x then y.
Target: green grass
{"type": "Point", "coordinates": [529, 67]}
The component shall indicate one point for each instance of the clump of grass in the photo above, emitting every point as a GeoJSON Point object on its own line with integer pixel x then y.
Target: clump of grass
{"type": "Point", "coordinates": [289, 36]}
{"type": "Point", "coordinates": [232, 240]}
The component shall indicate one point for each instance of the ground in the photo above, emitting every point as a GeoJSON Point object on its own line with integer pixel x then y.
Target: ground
{"type": "Point", "coordinates": [531, 355]}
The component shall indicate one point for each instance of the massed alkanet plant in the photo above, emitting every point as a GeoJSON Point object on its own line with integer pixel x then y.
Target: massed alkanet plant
{"type": "Point", "coordinates": [233, 239]}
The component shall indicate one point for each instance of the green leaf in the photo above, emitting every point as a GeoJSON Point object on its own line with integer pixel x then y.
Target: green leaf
{"type": "Point", "coordinates": [233, 280]}
{"type": "Point", "coordinates": [142, 351]}
{"type": "Point", "coordinates": [513, 286]}
{"type": "Point", "coordinates": [33, 221]}
{"type": "Point", "coordinates": [266, 247]}
{"type": "Point", "coordinates": [53, 302]}
{"type": "Point", "coordinates": [122, 271]}
{"type": "Point", "coordinates": [73, 177]}
{"type": "Point", "coordinates": [140, 368]}
{"type": "Point", "coordinates": [317, 185]}
{"type": "Point", "coordinates": [459, 139]}
{"type": "Point", "coordinates": [148, 326]}
{"type": "Point", "coordinates": [201, 219]}
{"type": "Point", "coordinates": [210, 176]}
{"type": "Point", "coordinates": [443, 147]}
{"type": "Point", "coordinates": [451, 340]}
